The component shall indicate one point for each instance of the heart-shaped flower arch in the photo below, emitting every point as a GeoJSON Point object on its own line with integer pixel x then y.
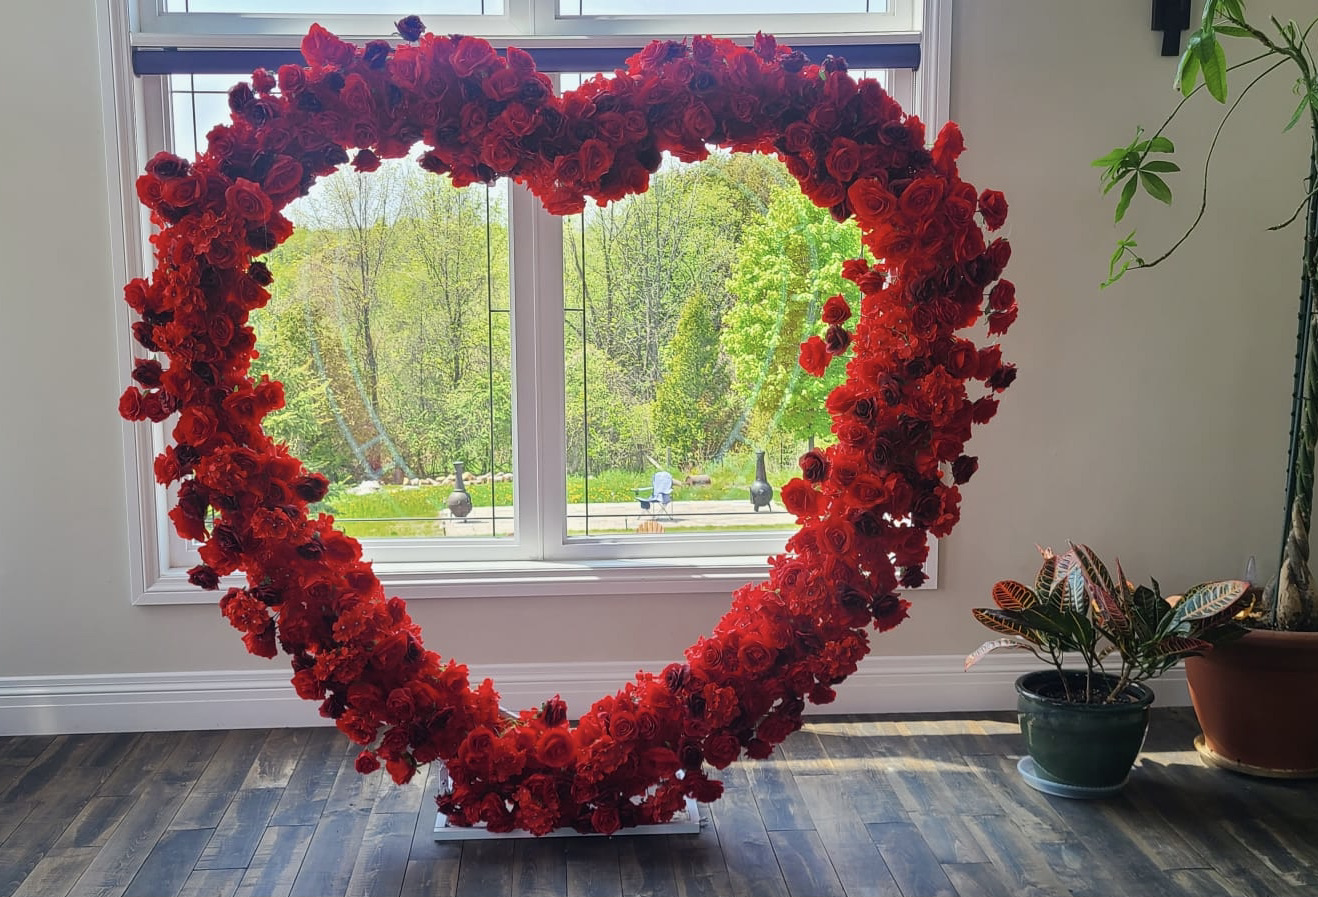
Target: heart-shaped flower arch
{"type": "Point", "coordinates": [866, 505]}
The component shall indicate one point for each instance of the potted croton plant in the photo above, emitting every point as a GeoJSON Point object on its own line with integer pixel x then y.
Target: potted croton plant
{"type": "Point", "coordinates": [1257, 698]}
{"type": "Point", "coordinates": [1084, 725]}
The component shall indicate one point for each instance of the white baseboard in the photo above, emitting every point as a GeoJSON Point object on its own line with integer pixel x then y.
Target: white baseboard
{"type": "Point", "coordinates": [247, 699]}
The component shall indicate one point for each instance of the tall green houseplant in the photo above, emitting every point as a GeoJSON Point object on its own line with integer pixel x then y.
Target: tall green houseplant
{"type": "Point", "coordinates": [1271, 49]}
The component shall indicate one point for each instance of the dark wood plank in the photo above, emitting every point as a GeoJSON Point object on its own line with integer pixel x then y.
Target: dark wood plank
{"type": "Point", "coordinates": [752, 869]}
{"type": "Point", "coordinates": [432, 867]}
{"type": "Point", "coordinates": [202, 809]}
{"type": "Point", "coordinates": [94, 825]}
{"type": "Point", "coordinates": [212, 883]}
{"type": "Point", "coordinates": [169, 864]}
{"type": "Point", "coordinates": [804, 754]}
{"type": "Point", "coordinates": [278, 757]}
{"type": "Point", "coordinates": [12, 817]}
{"type": "Point", "coordinates": [382, 858]}
{"type": "Point", "coordinates": [698, 865]}
{"type": "Point", "coordinates": [119, 860]}
{"type": "Point", "coordinates": [232, 760]}
{"type": "Point", "coordinates": [646, 866]}
{"type": "Point", "coordinates": [592, 867]}
{"type": "Point", "coordinates": [947, 835]}
{"type": "Point", "coordinates": [240, 829]}
{"type": "Point", "coordinates": [1086, 872]}
{"type": "Point", "coordinates": [309, 786]}
{"type": "Point", "coordinates": [191, 754]}
{"type": "Point", "coordinates": [976, 879]}
{"type": "Point", "coordinates": [782, 808]}
{"type": "Point", "coordinates": [148, 755]}
{"type": "Point", "coordinates": [486, 869]}
{"type": "Point", "coordinates": [55, 873]}
{"type": "Point", "coordinates": [1016, 857]}
{"type": "Point", "coordinates": [911, 862]}
{"type": "Point", "coordinates": [277, 861]}
{"type": "Point", "coordinates": [327, 866]}
{"type": "Point", "coordinates": [20, 750]}
{"type": "Point", "coordinates": [539, 868]}
{"type": "Point", "coordinates": [804, 864]}
{"type": "Point", "coordinates": [1204, 883]}
{"type": "Point", "coordinates": [851, 851]}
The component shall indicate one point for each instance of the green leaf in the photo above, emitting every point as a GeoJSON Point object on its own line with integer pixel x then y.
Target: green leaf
{"type": "Point", "coordinates": [1161, 145]}
{"type": "Point", "coordinates": [1156, 187]}
{"type": "Point", "coordinates": [1011, 595]}
{"type": "Point", "coordinates": [1161, 165]}
{"type": "Point", "coordinates": [1213, 60]}
{"type": "Point", "coordinates": [1111, 158]}
{"type": "Point", "coordinates": [1127, 194]}
{"type": "Point", "coordinates": [1305, 100]}
{"type": "Point", "coordinates": [1004, 622]}
{"type": "Point", "coordinates": [1210, 599]}
{"type": "Point", "coordinates": [1180, 645]}
{"type": "Point", "coordinates": [1234, 9]}
{"type": "Point", "coordinates": [1187, 71]}
{"type": "Point", "coordinates": [1232, 31]}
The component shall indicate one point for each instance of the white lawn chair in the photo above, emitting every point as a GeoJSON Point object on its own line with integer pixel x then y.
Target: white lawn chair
{"type": "Point", "coordinates": [657, 498]}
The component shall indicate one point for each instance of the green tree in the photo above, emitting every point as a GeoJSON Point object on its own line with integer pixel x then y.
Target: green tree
{"type": "Point", "coordinates": [787, 264]}
{"type": "Point", "coordinates": [693, 410]}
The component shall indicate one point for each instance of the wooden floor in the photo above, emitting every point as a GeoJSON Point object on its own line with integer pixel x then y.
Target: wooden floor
{"type": "Point", "coordinates": [927, 805]}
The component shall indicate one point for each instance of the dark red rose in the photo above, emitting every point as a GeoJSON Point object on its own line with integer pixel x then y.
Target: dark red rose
{"type": "Point", "coordinates": [555, 711]}
{"type": "Point", "coordinates": [165, 165]}
{"type": "Point", "coordinates": [871, 199]}
{"type": "Point", "coordinates": [799, 136]}
{"type": "Point", "coordinates": [721, 749]}
{"type": "Point", "coordinates": [698, 122]}
{"type": "Point", "coordinates": [284, 176]}
{"type": "Point", "coordinates": [843, 159]}
{"type": "Point", "coordinates": [1002, 296]}
{"type": "Point", "coordinates": [837, 339]}
{"type": "Point", "coordinates": [993, 206]}
{"type": "Point", "coordinates": [365, 161]}
{"type": "Point", "coordinates": [999, 321]}
{"type": "Point", "coordinates": [963, 468]}
{"type": "Point", "coordinates": [889, 610]}
{"type": "Point", "coordinates": [1002, 377]}
{"type": "Point", "coordinates": [836, 310]}
{"type": "Point", "coordinates": [814, 356]}
{"type": "Point", "coordinates": [147, 371]}
{"type": "Point", "coordinates": [921, 197]}
{"type": "Point", "coordinates": [312, 487]}
{"type": "Point", "coordinates": [814, 465]}
{"type": "Point", "coordinates": [203, 577]}
{"type": "Point", "coordinates": [410, 28]}
{"type": "Point", "coordinates": [605, 820]}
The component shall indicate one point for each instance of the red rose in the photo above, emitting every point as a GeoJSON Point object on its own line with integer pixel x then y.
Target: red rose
{"type": "Point", "coordinates": [596, 157]}
{"type": "Point", "coordinates": [366, 763]}
{"type": "Point", "coordinates": [292, 78]}
{"type": "Point", "coordinates": [843, 159]}
{"type": "Point", "coordinates": [999, 321]}
{"type": "Point", "coordinates": [839, 536]}
{"type": "Point", "coordinates": [501, 154]}
{"type": "Point", "coordinates": [472, 54]}
{"type": "Point", "coordinates": [836, 310]}
{"type": "Point", "coordinates": [131, 405]}
{"type": "Point", "coordinates": [356, 96]}
{"type": "Point", "coordinates": [921, 197]}
{"type": "Point", "coordinates": [248, 201]}
{"type": "Point", "coordinates": [195, 425]}
{"type": "Point", "coordinates": [284, 176]}
{"type": "Point", "coordinates": [183, 191]}
{"type": "Point", "coordinates": [502, 85]}
{"type": "Point", "coordinates": [947, 147]}
{"type": "Point", "coordinates": [800, 498]}
{"type": "Point", "coordinates": [993, 206]}
{"type": "Point", "coordinates": [798, 137]}
{"type": "Point", "coordinates": [555, 748]}
{"type": "Point", "coordinates": [871, 199]}
{"type": "Point", "coordinates": [320, 47]}
{"type": "Point", "coordinates": [814, 356]}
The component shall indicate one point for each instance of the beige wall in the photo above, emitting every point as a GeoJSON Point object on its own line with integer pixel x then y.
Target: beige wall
{"type": "Point", "coordinates": [1148, 420]}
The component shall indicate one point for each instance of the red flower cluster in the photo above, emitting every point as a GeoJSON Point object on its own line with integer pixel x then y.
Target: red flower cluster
{"type": "Point", "coordinates": [866, 504]}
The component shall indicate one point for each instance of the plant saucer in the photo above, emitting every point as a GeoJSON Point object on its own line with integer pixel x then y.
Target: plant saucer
{"type": "Point", "coordinates": [1039, 780]}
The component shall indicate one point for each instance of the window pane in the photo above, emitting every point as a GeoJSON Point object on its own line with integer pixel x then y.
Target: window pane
{"type": "Point", "coordinates": [702, 7]}
{"type": "Point", "coordinates": [684, 310]}
{"type": "Point", "coordinates": [337, 7]}
{"type": "Point", "coordinates": [389, 327]}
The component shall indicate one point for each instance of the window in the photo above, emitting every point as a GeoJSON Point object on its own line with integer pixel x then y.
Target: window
{"type": "Point", "coordinates": [609, 386]}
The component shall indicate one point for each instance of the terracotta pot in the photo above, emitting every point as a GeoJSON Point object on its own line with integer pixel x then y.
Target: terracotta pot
{"type": "Point", "coordinates": [1257, 702]}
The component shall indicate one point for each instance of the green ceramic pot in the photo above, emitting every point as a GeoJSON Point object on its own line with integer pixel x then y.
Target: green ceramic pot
{"type": "Point", "coordinates": [1083, 745]}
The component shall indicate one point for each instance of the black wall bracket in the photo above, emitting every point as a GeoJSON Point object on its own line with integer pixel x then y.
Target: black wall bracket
{"type": "Point", "coordinates": [1171, 17]}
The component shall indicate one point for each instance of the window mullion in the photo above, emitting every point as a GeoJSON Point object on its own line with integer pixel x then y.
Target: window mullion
{"type": "Point", "coordinates": [535, 249]}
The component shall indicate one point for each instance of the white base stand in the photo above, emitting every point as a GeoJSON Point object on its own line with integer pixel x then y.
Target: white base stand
{"type": "Point", "coordinates": [684, 822]}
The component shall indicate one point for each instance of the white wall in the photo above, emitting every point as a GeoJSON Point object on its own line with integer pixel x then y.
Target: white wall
{"type": "Point", "coordinates": [1148, 420]}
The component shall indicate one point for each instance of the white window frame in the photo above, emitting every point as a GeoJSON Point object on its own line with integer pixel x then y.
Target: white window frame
{"type": "Point", "coordinates": [540, 558]}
